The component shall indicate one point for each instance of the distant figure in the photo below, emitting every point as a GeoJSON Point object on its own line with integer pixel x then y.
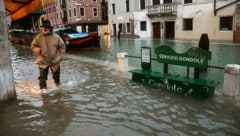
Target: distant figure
{"type": "Point", "coordinates": [50, 50]}
{"type": "Point", "coordinates": [119, 30]}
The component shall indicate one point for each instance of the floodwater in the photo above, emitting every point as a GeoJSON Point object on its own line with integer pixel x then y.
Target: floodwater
{"type": "Point", "coordinates": [97, 100]}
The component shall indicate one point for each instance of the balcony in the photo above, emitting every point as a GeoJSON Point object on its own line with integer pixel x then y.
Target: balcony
{"type": "Point", "coordinates": [162, 10]}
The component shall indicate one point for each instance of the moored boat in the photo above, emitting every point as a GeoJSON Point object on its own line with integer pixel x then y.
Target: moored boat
{"type": "Point", "coordinates": [75, 39]}
{"type": "Point", "coordinates": [21, 36]}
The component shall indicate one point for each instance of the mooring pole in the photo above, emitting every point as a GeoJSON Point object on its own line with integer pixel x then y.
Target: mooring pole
{"type": "Point", "coordinates": [7, 88]}
{"type": "Point", "coordinates": [165, 68]}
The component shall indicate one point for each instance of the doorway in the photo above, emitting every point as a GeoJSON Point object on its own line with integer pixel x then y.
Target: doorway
{"type": "Point", "coordinates": [156, 29]}
{"type": "Point", "coordinates": [170, 30]}
{"type": "Point", "coordinates": [114, 30]}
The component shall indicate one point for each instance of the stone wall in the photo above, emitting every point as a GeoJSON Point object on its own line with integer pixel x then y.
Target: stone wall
{"type": "Point", "coordinates": [7, 88]}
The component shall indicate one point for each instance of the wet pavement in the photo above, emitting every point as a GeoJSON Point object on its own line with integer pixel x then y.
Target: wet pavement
{"type": "Point", "coordinates": [97, 100]}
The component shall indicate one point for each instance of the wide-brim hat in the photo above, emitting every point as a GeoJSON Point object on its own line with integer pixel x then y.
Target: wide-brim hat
{"type": "Point", "coordinates": [46, 23]}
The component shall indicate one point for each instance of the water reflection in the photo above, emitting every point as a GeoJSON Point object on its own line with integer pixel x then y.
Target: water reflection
{"type": "Point", "coordinates": [95, 99]}
{"type": "Point", "coordinates": [26, 117]}
{"type": "Point", "coordinates": [222, 54]}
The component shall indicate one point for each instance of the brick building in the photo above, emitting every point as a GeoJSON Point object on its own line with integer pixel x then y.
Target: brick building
{"type": "Point", "coordinates": [83, 15]}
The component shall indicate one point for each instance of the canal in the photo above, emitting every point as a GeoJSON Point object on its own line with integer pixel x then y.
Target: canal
{"type": "Point", "coordinates": [97, 100]}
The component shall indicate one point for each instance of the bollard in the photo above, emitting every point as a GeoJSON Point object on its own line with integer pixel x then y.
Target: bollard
{"type": "Point", "coordinates": [231, 80]}
{"type": "Point", "coordinates": [122, 62]}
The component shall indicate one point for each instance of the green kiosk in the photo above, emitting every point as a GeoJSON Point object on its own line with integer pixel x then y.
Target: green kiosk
{"type": "Point", "coordinates": [194, 57]}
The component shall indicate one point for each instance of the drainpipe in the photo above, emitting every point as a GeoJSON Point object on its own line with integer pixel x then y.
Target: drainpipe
{"type": "Point", "coordinates": [214, 8]}
{"type": "Point", "coordinates": [7, 87]}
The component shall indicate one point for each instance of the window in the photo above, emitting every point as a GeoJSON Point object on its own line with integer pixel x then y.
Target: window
{"type": "Point", "coordinates": [142, 4]}
{"type": "Point", "coordinates": [226, 23]}
{"type": "Point", "coordinates": [82, 12]}
{"type": "Point", "coordinates": [65, 15]}
{"type": "Point", "coordinates": [127, 5]}
{"type": "Point", "coordinates": [113, 8]}
{"type": "Point", "coordinates": [94, 0]}
{"type": "Point", "coordinates": [69, 13]}
{"type": "Point", "coordinates": [167, 1]}
{"type": "Point", "coordinates": [63, 3]}
{"type": "Point", "coordinates": [122, 29]}
{"type": "Point", "coordinates": [156, 2]}
{"type": "Point", "coordinates": [61, 15]}
{"type": "Point", "coordinates": [143, 26]}
{"type": "Point", "coordinates": [128, 28]}
{"type": "Point", "coordinates": [187, 1]}
{"type": "Point", "coordinates": [95, 13]}
{"type": "Point", "coordinates": [74, 12]}
{"type": "Point", "coordinates": [114, 29]}
{"type": "Point", "coordinates": [188, 24]}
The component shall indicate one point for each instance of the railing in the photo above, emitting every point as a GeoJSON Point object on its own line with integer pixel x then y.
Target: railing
{"type": "Point", "coordinates": [163, 9]}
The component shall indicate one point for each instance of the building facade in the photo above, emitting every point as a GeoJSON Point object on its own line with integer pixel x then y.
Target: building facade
{"type": "Point", "coordinates": [82, 15]}
{"type": "Point", "coordinates": [50, 13]}
{"type": "Point", "coordinates": [175, 19]}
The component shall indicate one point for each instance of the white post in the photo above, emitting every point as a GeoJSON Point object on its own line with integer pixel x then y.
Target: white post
{"type": "Point", "coordinates": [231, 80]}
{"type": "Point", "coordinates": [7, 88]}
{"type": "Point", "coordinates": [122, 62]}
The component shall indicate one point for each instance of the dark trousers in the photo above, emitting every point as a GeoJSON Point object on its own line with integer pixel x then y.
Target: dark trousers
{"type": "Point", "coordinates": [43, 75]}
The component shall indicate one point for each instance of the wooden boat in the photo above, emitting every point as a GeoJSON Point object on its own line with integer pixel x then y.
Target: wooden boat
{"type": "Point", "coordinates": [21, 36]}
{"type": "Point", "coordinates": [71, 37]}
{"type": "Point", "coordinates": [75, 39]}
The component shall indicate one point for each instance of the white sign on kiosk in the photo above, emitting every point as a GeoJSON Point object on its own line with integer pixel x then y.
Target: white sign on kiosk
{"type": "Point", "coordinates": [146, 58]}
{"type": "Point", "coordinates": [146, 55]}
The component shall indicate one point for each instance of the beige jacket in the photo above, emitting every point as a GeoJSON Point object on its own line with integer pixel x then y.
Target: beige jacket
{"type": "Point", "coordinates": [50, 50]}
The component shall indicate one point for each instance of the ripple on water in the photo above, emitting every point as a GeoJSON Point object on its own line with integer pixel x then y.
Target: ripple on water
{"type": "Point", "coordinates": [96, 100]}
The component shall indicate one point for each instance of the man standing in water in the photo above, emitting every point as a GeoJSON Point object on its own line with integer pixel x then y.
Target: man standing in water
{"type": "Point", "coordinates": [50, 50]}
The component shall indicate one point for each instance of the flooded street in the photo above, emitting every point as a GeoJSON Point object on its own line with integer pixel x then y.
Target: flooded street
{"type": "Point", "coordinates": [97, 100]}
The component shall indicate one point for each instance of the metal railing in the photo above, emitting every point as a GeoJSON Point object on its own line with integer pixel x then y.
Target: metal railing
{"type": "Point", "coordinates": [170, 8]}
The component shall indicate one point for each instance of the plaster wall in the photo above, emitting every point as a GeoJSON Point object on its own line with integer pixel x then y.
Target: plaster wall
{"type": "Point", "coordinates": [138, 17]}
{"type": "Point", "coordinates": [204, 21]}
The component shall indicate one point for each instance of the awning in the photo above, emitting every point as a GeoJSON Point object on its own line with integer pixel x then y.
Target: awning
{"type": "Point", "coordinates": [21, 8]}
